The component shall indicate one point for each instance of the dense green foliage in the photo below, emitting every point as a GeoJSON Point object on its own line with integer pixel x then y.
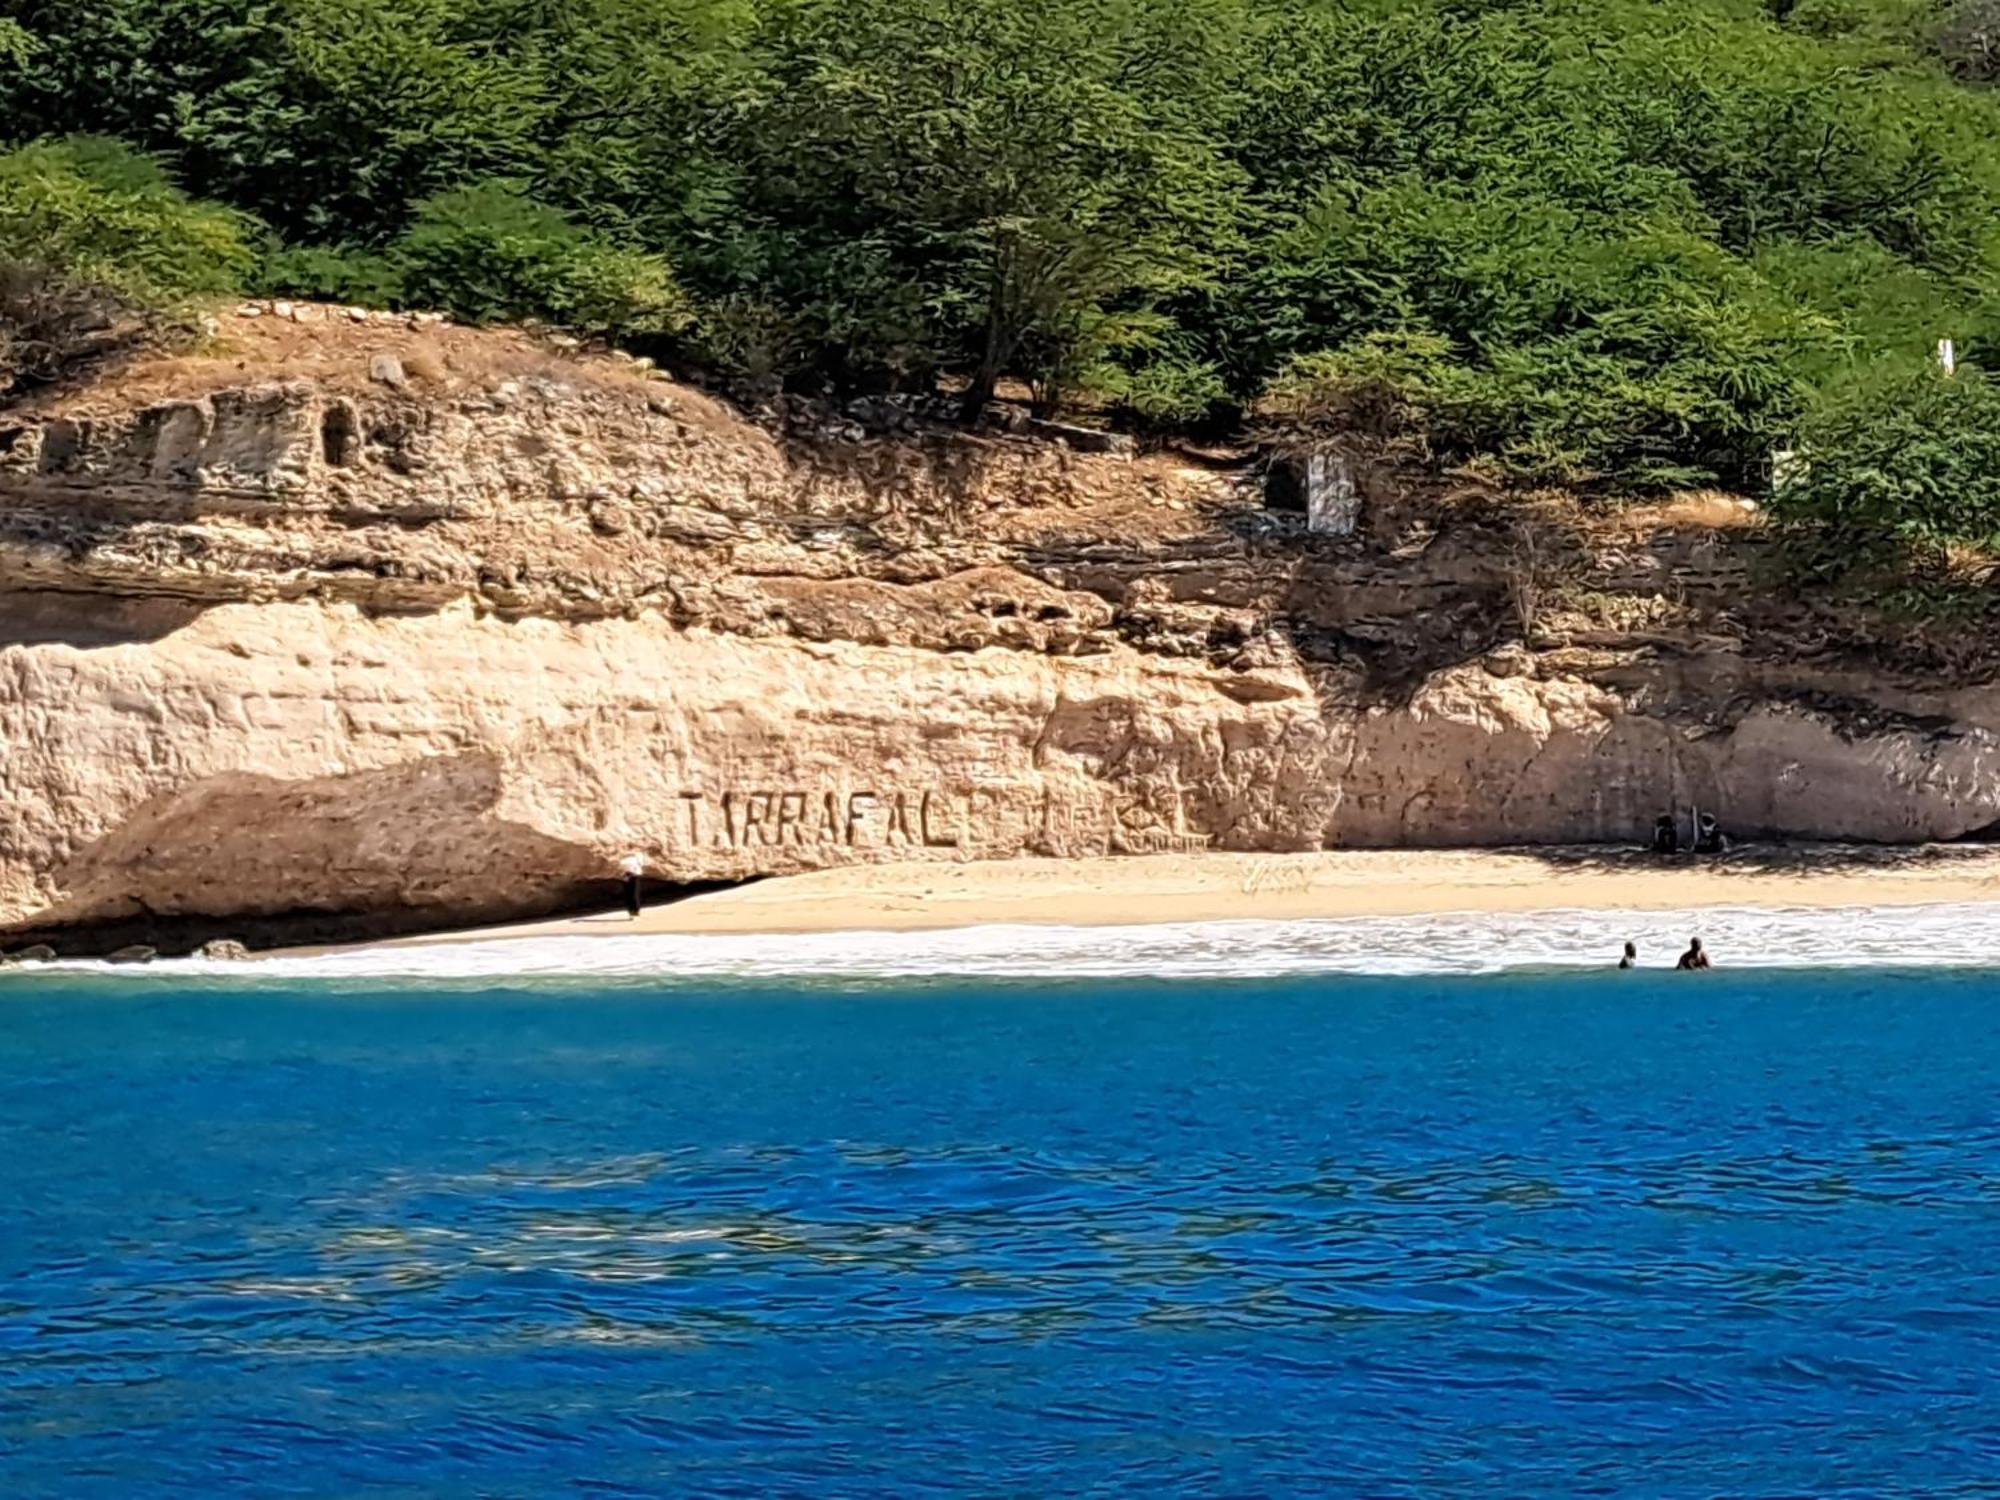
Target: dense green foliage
{"type": "Point", "coordinates": [493, 255]}
{"type": "Point", "coordinates": [1624, 243]}
{"type": "Point", "coordinates": [97, 248]}
{"type": "Point", "coordinates": [99, 211]}
{"type": "Point", "coordinates": [1896, 465]}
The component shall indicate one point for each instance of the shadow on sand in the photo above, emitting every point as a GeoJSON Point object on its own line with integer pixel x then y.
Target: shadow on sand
{"type": "Point", "coordinates": [1762, 859]}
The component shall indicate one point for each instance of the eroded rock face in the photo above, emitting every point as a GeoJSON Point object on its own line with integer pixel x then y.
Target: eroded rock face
{"type": "Point", "coordinates": [322, 645]}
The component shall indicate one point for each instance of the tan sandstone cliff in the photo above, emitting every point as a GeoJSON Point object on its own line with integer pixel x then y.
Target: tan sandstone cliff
{"type": "Point", "coordinates": [444, 641]}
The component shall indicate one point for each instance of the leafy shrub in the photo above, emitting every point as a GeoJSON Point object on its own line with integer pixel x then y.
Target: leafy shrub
{"type": "Point", "coordinates": [329, 273]}
{"type": "Point", "coordinates": [1678, 367]}
{"type": "Point", "coordinates": [1618, 242]}
{"type": "Point", "coordinates": [98, 249]}
{"type": "Point", "coordinates": [1170, 391]}
{"type": "Point", "coordinates": [98, 211]}
{"type": "Point", "coordinates": [15, 44]}
{"type": "Point", "coordinates": [1132, 359]}
{"type": "Point", "coordinates": [491, 254]}
{"type": "Point", "coordinates": [1897, 465]}
{"type": "Point", "coordinates": [755, 340]}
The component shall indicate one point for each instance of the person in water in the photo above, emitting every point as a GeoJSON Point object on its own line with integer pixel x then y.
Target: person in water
{"type": "Point", "coordinates": [1631, 958]}
{"type": "Point", "coordinates": [1694, 958]}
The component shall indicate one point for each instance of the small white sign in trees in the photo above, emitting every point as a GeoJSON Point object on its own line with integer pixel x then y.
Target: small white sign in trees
{"type": "Point", "coordinates": [1333, 503]}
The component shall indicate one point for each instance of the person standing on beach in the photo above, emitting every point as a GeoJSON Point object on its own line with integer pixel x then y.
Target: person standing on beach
{"type": "Point", "coordinates": [635, 866]}
{"type": "Point", "coordinates": [1631, 958]}
{"type": "Point", "coordinates": [1694, 958]}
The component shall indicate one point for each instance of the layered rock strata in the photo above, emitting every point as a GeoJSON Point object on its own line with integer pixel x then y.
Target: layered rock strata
{"type": "Point", "coordinates": [282, 640]}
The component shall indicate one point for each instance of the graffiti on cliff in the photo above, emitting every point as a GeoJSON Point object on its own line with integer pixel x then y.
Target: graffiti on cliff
{"type": "Point", "coordinates": [745, 819]}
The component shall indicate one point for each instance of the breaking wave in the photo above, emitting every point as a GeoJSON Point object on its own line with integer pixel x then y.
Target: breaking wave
{"type": "Point", "coordinates": [1963, 935]}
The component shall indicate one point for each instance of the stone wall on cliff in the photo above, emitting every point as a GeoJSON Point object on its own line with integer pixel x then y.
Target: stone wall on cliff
{"type": "Point", "coordinates": [277, 639]}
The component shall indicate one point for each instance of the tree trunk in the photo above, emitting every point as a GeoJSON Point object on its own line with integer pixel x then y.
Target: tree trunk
{"type": "Point", "coordinates": [979, 393]}
{"type": "Point", "coordinates": [987, 376]}
{"type": "Point", "coordinates": [1045, 399]}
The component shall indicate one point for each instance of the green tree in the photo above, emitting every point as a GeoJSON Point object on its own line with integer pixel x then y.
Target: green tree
{"type": "Point", "coordinates": [98, 251]}
{"type": "Point", "coordinates": [1895, 464]}
{"type": "Point", "coordinates": [1624, 243]}
{"type": "Point", "coordinates": [491, 254]}
{"type": "Point", "coordinates": [15, 44]}
{"type": "Point", "coordinates": [97, 211]}
{"type": "Point", "coordinates": [1021, 165]}
{"type": "Point", "coordinates": [327, 118]}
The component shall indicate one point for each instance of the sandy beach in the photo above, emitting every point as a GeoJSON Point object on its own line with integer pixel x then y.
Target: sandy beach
{"type": "Point", "coordinates": [1354, 883]}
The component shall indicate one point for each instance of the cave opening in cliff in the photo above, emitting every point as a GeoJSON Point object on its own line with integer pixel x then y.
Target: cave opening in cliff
{"type": "Point", "coordinates": [340, 434]}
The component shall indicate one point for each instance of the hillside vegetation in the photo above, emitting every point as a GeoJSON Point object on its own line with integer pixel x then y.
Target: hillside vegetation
{"type": "Point", "coordinates": [1616, 244]}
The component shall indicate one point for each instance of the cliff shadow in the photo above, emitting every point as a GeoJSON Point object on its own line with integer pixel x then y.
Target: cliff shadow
{"type": "Point", "coordinates": [935, 476]}
{"type": "Point", "coordinates": [1759, 859]}
{"type": "Point", "coordinates": [57, 617]}
{"type": "Point", "coordinates": [176, 936]}
{"type": "Point", "coordinates": [1389, 612]}
{"type": "Point", "coordinates": [413, 847]}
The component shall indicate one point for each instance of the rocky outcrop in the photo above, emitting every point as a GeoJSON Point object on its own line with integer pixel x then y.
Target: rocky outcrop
{"type": "Point", "coordinates": [280, 638]}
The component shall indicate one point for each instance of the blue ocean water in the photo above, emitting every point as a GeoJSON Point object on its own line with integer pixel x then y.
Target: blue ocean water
{"type": "Point", "coordinates": [1646, 1234]}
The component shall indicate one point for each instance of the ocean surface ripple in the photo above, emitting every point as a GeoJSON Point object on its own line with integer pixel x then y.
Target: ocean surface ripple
{"type": "Point", "coordinates": [1644, 1234]}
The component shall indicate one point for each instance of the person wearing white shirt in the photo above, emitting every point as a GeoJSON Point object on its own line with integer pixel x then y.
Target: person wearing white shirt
{"type": "Point", "coordinates": [635, 866]}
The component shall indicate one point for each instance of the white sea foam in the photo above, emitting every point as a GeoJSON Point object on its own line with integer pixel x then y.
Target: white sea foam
{"type": "Point", "coordinates": [1944, 935]}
